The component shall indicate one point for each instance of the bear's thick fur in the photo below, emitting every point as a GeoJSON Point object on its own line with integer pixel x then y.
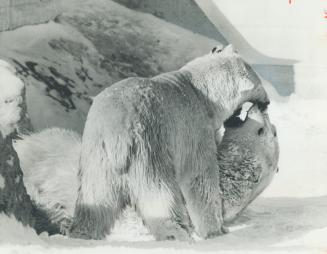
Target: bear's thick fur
{"type": "Point", "coordinates": [49, 161]}
{"type": "Point", "coordinates": [150, 142]}
{"type": "Point", "coordinates": [247, 157]}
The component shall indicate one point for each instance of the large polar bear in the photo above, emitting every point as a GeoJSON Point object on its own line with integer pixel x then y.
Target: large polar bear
{"type": "Point", "coordinates": [151, 142]}
{"type": "Point", "coordinates": [247, 158]}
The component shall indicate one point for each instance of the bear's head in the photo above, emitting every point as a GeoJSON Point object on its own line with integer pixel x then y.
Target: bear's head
{"type": "Point", "coordinates": [227, 80]}
{"type": "Point", "coordinates": [248, 158]}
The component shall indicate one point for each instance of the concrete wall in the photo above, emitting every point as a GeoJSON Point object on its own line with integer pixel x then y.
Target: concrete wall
{"type": "Point", "coordinates": [16, 13]}
{"type": "Point", "coordinates": [183, 13]}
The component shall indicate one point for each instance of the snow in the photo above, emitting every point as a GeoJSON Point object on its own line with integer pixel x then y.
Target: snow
{"type": "Point", "coordinates": [295, 31]}
{"type": "Point", "coordinates": [13, 232]}
{"type": "Point", "coordinates": [302, 132]}
{"type": "Point", "coordinates": [11, 90]}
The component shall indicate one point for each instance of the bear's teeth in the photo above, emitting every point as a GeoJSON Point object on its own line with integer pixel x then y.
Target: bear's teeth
{"type": "Point", "coordinates": [245, 109]}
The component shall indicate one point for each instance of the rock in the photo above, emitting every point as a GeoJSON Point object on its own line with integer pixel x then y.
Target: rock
{"type": "Point", "coordinates": [14, 199]}
{"type": "Point", "coordinates": [13, 109]}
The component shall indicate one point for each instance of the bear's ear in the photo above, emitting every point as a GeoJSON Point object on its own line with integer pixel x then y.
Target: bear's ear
{"type": "Point", "coordinates": [229, 49]}
{"type": "Point", "coordinates": [216, 49]}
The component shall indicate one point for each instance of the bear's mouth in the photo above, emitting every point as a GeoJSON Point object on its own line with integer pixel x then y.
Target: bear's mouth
{"type": "Point", "coordinates": [262, 105]}
{"type": "Point", "coordinates": [239, 116]}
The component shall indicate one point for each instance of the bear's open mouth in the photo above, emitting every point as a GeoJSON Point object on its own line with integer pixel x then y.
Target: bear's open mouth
{"type": "Point", "coordinates": [240, 116]}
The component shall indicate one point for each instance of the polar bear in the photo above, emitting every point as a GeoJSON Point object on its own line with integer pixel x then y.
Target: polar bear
{"type": "Point", "coordinates": [49, 161]}
{"type": "Point", "coordinates": [150, 142]}
{"type": "Point", "coordinates": [247, 158]}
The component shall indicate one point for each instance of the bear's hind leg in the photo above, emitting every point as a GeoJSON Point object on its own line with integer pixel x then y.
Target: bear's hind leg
{"type": "Point", "coordinates": [163, 210]}
{"type": "Point", "coordinates": [204, 202]}
{"type": "Point", "coordinates": [94, 221]}
{"type": "Point", "coordinates": [102, 194]}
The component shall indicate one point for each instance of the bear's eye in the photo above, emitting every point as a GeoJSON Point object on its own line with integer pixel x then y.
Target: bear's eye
{"type": "Point", "coordinates": [261, 131]}
{"type": "Point", "coordinates": [216, 50]}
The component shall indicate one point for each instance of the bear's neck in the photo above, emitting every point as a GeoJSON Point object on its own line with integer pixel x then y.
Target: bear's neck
{"type": "Point", "coordinates": [220, 106]}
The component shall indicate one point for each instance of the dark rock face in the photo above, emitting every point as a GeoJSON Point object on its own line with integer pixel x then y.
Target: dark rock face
{"type": "Point", "coordinates": [13, 196]}
{"type": "Point", "coordinates": [14, 199]}
{"type": "Point", "coordinates": [24, 125]}
{"type": "Point", "coordinates": [14, 120]}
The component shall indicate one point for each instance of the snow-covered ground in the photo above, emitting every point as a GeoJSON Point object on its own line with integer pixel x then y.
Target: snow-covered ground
{"type": "Point", "coordinates": [290, 216]}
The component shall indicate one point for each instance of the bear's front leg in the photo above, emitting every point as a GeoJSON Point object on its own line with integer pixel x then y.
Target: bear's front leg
{"type": "Point", "coordinates": [204, 201]}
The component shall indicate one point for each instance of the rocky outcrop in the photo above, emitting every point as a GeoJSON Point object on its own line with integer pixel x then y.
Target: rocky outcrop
{"type": "Point", "coordinates": [13, 196]}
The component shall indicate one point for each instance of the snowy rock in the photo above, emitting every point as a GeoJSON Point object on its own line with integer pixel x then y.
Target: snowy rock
{"type": "Point", "coordinates": [13, 112]}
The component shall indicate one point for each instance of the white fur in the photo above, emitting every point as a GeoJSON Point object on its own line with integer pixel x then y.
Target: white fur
{"type": "Point", "coordinates": [49, 162]}
{"type": "Point", "coordinates": [223, 71]}
{"type": "Point", "coordinates": [156, 203]}
{"type": "Point", "coordinates": [210, 80]}
{"type": "Point", "coordinates": [139, 138]}
{"type": "Point", "coordinates": [143, 131]}
{"type": "Point", "coordinates": [246, 86]}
